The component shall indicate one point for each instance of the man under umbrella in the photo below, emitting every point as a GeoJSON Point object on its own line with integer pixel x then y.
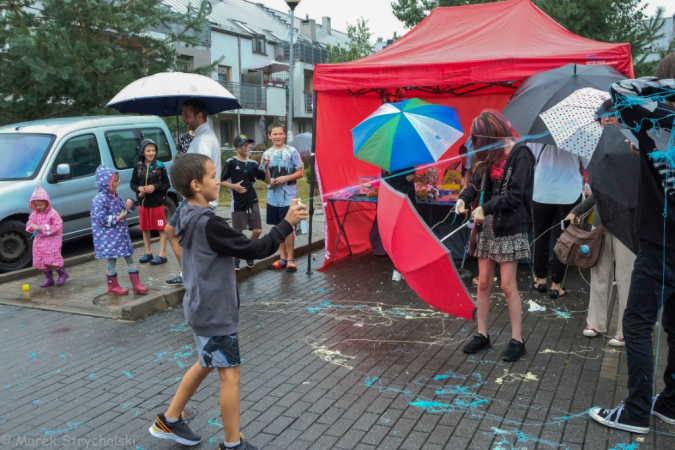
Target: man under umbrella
{"type": "Point", "coordinates": [205, 142]}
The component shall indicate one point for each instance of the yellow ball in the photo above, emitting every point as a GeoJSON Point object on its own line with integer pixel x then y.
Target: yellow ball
{"type": "Point", "coordinates": [25, 287]}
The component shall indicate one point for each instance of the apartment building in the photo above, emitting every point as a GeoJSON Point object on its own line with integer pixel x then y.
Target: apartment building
{"type": "Point", "coordinates": [253, 40]}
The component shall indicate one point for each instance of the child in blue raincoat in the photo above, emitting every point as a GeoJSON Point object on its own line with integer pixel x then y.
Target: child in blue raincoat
{"type": "Point", "coordinates": [111, 232]}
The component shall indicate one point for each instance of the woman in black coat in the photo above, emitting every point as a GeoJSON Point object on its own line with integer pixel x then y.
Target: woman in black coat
{"type": "Point", "coordinates": [503, 183]}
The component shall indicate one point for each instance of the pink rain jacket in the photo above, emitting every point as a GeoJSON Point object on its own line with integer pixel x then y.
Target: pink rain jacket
{"type": "Point", "coordinates": [47, 241]}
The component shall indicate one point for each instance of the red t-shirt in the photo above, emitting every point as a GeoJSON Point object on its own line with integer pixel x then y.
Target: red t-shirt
{"type": "Point", "coordinates": [497, 170]}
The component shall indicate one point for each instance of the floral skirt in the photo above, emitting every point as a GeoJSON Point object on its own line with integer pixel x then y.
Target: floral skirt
{"type": "Point", "coordinates": [501, 249]}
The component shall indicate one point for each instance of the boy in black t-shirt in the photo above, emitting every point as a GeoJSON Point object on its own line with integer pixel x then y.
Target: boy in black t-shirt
{"type": "Point", "coordinates": [239, 175]}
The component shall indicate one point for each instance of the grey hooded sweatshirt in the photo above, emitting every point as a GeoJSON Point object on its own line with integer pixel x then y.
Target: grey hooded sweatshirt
{"type": "Point", "coordinates": [211, 302]}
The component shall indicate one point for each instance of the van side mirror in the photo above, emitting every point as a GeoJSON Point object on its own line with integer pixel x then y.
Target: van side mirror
{"type": "Point", "coordinates": [62, 171]}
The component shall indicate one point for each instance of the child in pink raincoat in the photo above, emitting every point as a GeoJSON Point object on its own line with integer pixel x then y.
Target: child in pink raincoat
{"type": "Point", "coordinates": [47, 226]}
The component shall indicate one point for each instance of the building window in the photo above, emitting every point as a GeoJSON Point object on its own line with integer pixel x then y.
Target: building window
{"type": "Point", "coordinates": [224, 74]}
{"type": "Point", "coordinates": [226, 133]}
{"type": "Point", "coordinates": [259, 45]}
{"type": "Point", "coordinates": [183, 63]}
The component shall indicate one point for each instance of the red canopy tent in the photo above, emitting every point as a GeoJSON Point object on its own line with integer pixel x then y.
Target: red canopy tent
{"type": "Point", "coordinates": [470, 57]}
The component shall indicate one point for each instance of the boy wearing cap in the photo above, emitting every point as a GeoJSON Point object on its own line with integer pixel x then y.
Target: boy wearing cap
{"type": "Point", "coordinates": [239, 175]}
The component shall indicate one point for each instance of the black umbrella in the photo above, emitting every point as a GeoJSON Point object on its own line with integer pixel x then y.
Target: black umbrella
{"type": "Point", "coordinates": [613, 174]}
{"type": "Point", "coordinates": [544, 90]}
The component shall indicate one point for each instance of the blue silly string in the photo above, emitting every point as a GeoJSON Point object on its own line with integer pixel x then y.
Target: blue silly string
{"type": "Point", "coordinates": [32, 235]}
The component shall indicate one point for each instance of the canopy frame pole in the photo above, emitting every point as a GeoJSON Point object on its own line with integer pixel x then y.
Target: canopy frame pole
{"type": "Point", "coordinates": [312, 184]}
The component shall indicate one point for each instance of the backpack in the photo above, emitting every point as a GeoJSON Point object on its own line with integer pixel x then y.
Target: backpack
{"type": "Point", "coordinates": [580, 248]}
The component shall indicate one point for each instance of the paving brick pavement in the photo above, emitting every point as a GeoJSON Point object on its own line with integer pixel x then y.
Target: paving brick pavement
{"type": "Point", "coordinates": [336, 360]}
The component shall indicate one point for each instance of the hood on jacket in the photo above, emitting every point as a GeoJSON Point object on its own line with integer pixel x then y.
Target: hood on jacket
{"type": "Point", "coordinates": [144, 144]}
{"type": "Point", "coordinates": [40, 194]}
{"type": "Point", "coordinates": [189, 216]}
{"type": "Point", "coordinates": [104, 176]}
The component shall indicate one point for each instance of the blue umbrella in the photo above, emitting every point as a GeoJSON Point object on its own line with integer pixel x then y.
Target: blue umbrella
{"type": "Point", "coordinates": [406, 134]}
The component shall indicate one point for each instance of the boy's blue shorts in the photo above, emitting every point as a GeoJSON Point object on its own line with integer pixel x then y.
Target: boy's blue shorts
{"type": "Point", "coordinates": [218, 351]}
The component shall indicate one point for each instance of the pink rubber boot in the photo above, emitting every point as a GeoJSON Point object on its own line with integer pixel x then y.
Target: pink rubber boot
{"type": "Point", "coordinates": [114, 287]}
{"type": "Point", "coordinates": [49, 281]}
{"type": "Point", "coordinates": [63, 276]}
{"type": "Point", "coordinates": [136, 283]}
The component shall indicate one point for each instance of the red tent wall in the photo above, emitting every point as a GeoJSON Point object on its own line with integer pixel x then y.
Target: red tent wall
{"type": "Point", "coordinates": [337, 113]}
{"type": "Point", "coordinates": [480, 51]}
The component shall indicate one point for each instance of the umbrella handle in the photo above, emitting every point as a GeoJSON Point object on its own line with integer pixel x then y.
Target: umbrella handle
{"type": "Point", "coordinates": [463, 225]}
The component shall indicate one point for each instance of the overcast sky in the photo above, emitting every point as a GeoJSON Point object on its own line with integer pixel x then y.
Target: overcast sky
{"type": "Point", "coordinates": [378, 13]}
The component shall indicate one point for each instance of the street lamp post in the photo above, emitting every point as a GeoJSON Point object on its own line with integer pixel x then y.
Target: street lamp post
{"type": "Point", "coordinates": [291, 4]}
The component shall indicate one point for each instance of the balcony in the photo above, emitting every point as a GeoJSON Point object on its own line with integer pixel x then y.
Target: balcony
{"type": "Point", "coordinates": [307, 53]}
{"type": "Point", "coordinates": [309, 103]}
{"type": "Point", "coordinates": [250, 96]}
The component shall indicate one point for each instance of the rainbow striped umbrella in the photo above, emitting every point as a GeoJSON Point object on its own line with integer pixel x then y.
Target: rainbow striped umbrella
{"type": "Point", "coordinates": [406, 134]}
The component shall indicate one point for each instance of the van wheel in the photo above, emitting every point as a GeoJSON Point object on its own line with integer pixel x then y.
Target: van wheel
{"type": "Point", "coordinates": [169, 208]}
{"type": "Point", "coordinates": [15, 247]}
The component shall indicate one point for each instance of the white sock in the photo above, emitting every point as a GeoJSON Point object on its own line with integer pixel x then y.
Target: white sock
{"type": "Point", "coordinates": [171, 420]}
{"type": "Point", "coordinates": [232, 445]}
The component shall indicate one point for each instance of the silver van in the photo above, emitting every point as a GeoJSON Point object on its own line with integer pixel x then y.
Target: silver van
{"type": "Point", "coordinates": [62, 155]}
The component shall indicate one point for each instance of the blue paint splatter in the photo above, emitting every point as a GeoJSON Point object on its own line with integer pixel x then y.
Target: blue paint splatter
{"type": "Point", "coordinates": [37, 402]}
{"type": "Point", "coordinates": [183, 326]}
{"type": "Point", "coordinates": [522, 437]}
{"type": "Point", "coordinates": [20, 325]}
{"type": "Point", "coordinates": [92, 375]}
{"type": "Point", "coordinates": [633, 446]}
{"type": "Point", "coordinates": [370, 381]}
{"type": "Point", "coordinates": [62, 356]}
{"type": "Point", "coordinates": [129, 375]}
{"type": "Point", "coordinates": [71, 426]}
{"type": "Point", "coordinates": [7, 386]}
{"type": "Point", "coordinates": [32, 355]}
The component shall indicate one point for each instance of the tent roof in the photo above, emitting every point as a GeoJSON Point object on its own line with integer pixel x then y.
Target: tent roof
{"type": "Point", "coordinates": [485, 43]}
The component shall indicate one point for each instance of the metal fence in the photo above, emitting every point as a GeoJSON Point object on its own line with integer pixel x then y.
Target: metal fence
{"type": "Point", "coordinates": [250, 96]}
{"type": "Point", "coordinates": [311, 54]}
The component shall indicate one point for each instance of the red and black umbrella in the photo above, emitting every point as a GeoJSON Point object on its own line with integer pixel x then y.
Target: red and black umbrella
{"type": "Point", "coordinates": [424, 262]}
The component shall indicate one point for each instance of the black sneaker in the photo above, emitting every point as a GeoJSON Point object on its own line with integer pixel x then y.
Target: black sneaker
{"type": "Point", "coordinates": [614, 419]}
{"type": "Point", "coordinates": [659, 410]}
{"type": "Point", "coordinates": [177, 431]}
{"type": "Point", "coordinates": [514, 351]}
{"type": "Point", "coordinates": [243, 445]}
{"type": "Point", "coordinates": [249, 263]}
{"type": "Point", "coordinates": [236, 265]}
{"type": "Point", "coordinates": [478, 343]}
{"type": "Point", "coordinates": [177, 280]}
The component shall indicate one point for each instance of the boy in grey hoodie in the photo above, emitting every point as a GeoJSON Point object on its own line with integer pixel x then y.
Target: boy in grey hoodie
{"type": "Point", "coordinates": [211, 302]}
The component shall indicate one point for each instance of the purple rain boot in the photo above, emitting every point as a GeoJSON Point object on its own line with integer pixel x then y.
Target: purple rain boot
{"type": "Point", "coordinates": [49, 279]}
{"type": "Point", "coordinates": [63, 276]}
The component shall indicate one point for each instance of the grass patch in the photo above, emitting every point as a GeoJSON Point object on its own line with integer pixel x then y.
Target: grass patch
{"type": "Point", "coordinates": [261, 192]}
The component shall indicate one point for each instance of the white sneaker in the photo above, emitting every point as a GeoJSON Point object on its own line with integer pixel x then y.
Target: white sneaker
{"type": "Point", "coordinates": [616, 341]}
{"type": "Point", "coordinates": [590, 332]}
{"type": "Point", "coordinates": [396, 275]}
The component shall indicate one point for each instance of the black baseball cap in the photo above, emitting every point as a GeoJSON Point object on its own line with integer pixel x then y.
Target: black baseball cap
{"type": "Point", "coordinates": [242, 139]}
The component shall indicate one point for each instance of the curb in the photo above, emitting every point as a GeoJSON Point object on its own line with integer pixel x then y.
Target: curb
{"type": "Point", "coordinates": [144, 305]}
{"type": "Point", "coordinates": [30, 272]}
{"type": "Point", "coordinates": [158, 302]}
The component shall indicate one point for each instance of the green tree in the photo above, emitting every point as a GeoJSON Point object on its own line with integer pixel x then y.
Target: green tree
{"type": "Point", "coordinates": [600, 20]}
{"type": "Point", "coordinates": [359, 45]}
{"type": "Point", "coordinates": [70, 57]}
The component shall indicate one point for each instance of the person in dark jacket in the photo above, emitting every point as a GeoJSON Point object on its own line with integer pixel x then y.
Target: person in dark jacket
{"type": "Point", "coordinates": [647, 107]}
{"type": "Point", "coordinates": [150, 182]}
{"type": "Point", "coordinates": [503, 184]}
{"type": "Point", "coordinates": [211, 302]}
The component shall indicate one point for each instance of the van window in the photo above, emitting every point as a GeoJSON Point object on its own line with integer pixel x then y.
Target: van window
{"type": "Point", "coordinates": [82, 154]}
{"type": "Point", "coordinates": [158, 136]}
{"type": "Point", "coordinates": [124, 146]}
{"type": "Point", "coordinates": [22, 154]}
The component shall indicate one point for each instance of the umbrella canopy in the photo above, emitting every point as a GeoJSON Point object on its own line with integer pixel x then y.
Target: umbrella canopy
{"type": "Point", "coordinates": [163, 94]}
{"type": "Point", "coordinates": [303, 142]}
{"type": "Point", "coordinates": [424, 262]}
{"type": "Point", "coordinates": [406, 134]}
{"type": "Point", "coordinates": [573, 124]}
{"type": "Point", "coordinates": [544, 90]}
{"type": "Point", "coordinates": [269, 67]}
{"type": "Point", "coordinates": [613, 174]}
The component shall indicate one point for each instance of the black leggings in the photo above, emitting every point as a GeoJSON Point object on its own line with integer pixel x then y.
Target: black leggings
{"type": "Point", "coordinates": [545, 216]}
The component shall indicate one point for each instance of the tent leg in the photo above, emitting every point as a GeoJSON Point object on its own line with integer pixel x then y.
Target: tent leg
{"type": "Point", "coordinates": [312, 186]}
